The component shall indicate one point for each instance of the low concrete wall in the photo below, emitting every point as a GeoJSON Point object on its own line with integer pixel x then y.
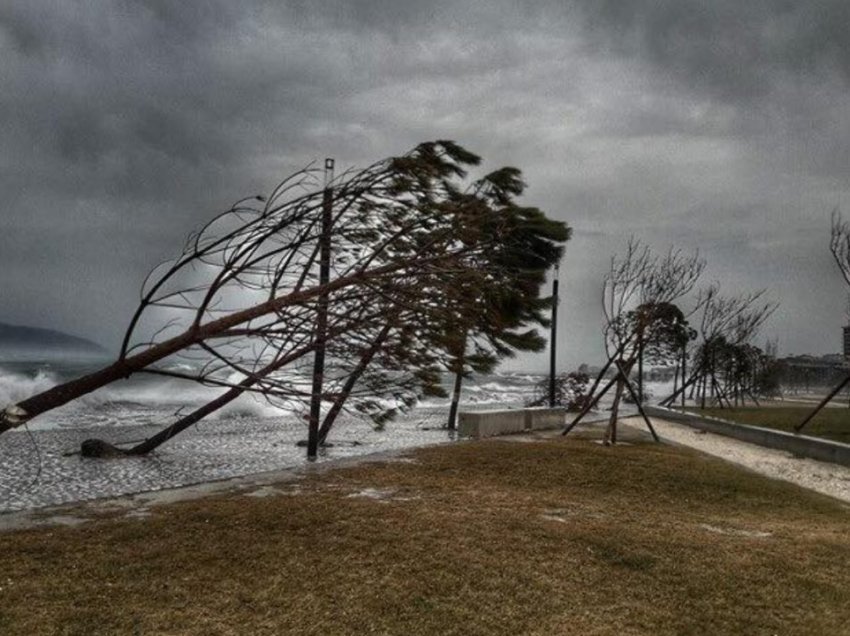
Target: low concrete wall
{"type": "Point", "coordinates": [478, 424]}
{"type": "Point", "coordinates": [545, 418]}
{"type": "Point", "coordinates": [801, 445]}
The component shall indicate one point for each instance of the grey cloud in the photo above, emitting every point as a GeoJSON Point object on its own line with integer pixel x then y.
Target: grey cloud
{"type": "Point", "coordinates": [768, 69]}
{"type": "Point", "coordinates": [735, 49]}
{"type": "Point", "coordinates": [128, 123]}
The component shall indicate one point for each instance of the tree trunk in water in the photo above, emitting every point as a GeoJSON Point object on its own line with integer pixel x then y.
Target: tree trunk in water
{"type": "Point", "coordinates": [193, 418]}
{"type": "Point", "coordinates": [352, 380]}
{"type": "Point", "coordinates": [457, 367]}
{"type": "Point", "coordinates": [98, 448]}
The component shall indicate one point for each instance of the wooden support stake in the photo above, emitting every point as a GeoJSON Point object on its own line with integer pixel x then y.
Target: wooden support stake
{"type": "Point", "coordinates": [823, 403]}
{"type": "Point", "coordinates": [639, 405]}
{"type": "Point", "coordinates": [589, 406]}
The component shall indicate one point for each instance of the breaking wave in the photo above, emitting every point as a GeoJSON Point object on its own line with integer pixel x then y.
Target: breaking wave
{"type": "Point", "coordinates": [157, 400]}
{"type": "Point", "coordinates": [15, 386]}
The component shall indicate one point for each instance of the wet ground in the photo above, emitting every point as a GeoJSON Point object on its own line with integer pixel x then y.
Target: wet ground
{"type": "Point", "coordinates": [36, 470]}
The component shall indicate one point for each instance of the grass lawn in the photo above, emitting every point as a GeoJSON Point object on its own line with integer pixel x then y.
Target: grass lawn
{"type": "Point", "coordinates": [831, 423]}
{"type": "Point", "coordinates": [557, 536]}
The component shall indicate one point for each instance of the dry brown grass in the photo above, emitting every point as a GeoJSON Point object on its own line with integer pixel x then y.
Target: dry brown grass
{"type": "Point", "coordinates": [553, 537]}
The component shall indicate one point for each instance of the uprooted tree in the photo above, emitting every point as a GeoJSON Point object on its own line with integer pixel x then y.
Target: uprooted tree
{"type": "Point", "coordinates": [252, 297]}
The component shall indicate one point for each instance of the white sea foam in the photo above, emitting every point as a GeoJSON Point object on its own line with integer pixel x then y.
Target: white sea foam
{"type": "Point", "coordinates": [150, 399]}
{"type": "Point", "coordinates": [15, 386]}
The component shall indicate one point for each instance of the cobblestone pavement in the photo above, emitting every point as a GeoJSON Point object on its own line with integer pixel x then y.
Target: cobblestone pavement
{"type": "Point", "coordinates": [35, 471]}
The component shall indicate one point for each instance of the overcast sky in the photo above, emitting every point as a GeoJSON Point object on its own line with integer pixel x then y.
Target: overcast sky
{"type": "Point", "coordinates": [720, 125]}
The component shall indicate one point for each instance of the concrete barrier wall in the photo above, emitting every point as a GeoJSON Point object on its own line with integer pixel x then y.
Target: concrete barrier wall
{"type": "Point", "coordinates": [801, 445]}
{"type": "Point", "coordinates": [545, 419]}
{"type": "Point", "coordinates": [478, 424]}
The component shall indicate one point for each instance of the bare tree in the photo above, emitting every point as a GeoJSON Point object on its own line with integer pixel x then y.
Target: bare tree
{"type": "Point", "coordinates": [637, 294]}
{"type": "Point", "coordinates": [727, 326]}
{"type": "Point", "coordinates": [839, 244]}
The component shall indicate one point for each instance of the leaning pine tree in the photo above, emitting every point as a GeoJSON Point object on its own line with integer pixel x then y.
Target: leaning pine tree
{"type": "Point", "coordinates": [507, 303]}
{"type": "Point", "coordinates": [240, 303]}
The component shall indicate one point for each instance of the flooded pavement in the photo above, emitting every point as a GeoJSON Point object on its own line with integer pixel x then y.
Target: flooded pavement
{"type": "Point", "coordinates": [36, 470]}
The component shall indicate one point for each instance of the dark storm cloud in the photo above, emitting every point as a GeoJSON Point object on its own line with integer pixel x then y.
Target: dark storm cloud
{"type": "Point", "coordinates": [125, 124]}
{"type": "Point", "coordinates": [736, 50]}
{"type": "Point", "coordinates": [766, 68]}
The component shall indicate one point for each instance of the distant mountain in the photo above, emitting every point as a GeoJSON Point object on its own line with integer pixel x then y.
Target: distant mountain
{"type": "Point", "coordinates": [16, 340]}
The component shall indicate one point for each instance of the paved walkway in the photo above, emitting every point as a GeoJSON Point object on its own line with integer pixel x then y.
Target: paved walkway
{"type": "Point", "coordinates": [823, 477]}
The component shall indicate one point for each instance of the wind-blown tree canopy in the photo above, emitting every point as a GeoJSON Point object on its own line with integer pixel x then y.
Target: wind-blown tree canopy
{"type": "Point", "coordinates": [665, 331]}
{"type": "Point", "coordinates": [639, 294]}
{"type": "Point", "coordinates": [839, 244]}
{"type": "Point", "coordinates": [237, 308]}
{"type": "Point", "coordinates": [500, 322]}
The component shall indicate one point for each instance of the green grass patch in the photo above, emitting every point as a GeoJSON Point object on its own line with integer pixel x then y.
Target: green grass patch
{"type": "Point", "coordinates": [831, 423]}
{"type": "Point", "coordinates": [492, 537]}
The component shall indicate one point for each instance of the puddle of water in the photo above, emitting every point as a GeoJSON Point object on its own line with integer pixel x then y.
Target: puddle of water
{"type": "Point", "coordinates": [735, 532]}
{"type": "Point", "coordinates": [141, 513]}
{"type": "Point", "coordinates": [64, 520]}
{"type": "Point", "coordinates": [379, 494]}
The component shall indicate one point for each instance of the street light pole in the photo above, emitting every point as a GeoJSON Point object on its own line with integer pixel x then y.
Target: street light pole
{"type": "Point", "coordinates": [321, 314]}
{"type": "Point", "coordinates": [553, 342]}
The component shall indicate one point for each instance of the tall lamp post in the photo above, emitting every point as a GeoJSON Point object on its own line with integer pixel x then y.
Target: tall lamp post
{"type": "Point", "coordinates": [553, 342]}
{"type": "Point", "coordinates": [321, 314]}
